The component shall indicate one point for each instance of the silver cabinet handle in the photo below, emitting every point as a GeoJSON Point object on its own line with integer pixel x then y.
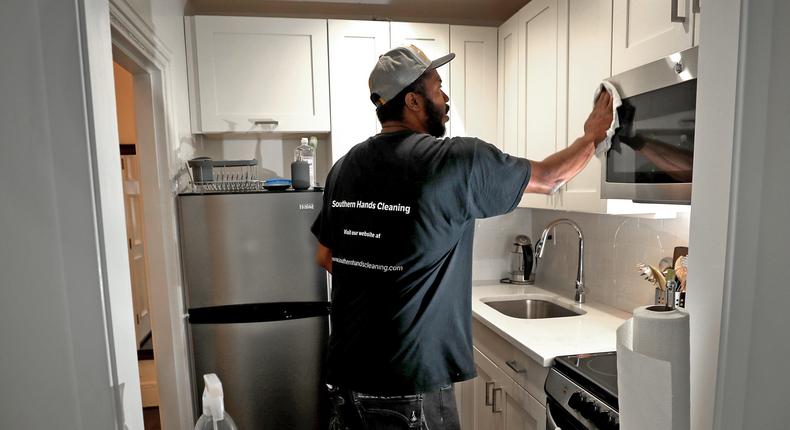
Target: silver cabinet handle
{"type": "Point", "coordinates": [493, 404]}
{"type": "Point", "coordinates": [265, 121]}
{"type": "Point", "coordinates": [489, 385]}
{"type": "Point", "coordinates": [675, 16]}
{"type": "Point", "coordinates": [513, 364]}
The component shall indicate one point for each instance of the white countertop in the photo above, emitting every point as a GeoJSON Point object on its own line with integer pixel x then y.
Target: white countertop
{"type": "Point", "coordinates": [544, 339]}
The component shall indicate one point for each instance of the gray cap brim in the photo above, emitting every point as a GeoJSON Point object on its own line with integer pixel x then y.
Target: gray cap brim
{"type": "Point", "coordinates": [441, 61]}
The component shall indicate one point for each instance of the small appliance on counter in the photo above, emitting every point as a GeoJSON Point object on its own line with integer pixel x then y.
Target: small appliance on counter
{"type": "Point", "coordinates": [521, 262]}
{"type": "Point", "coordinates": [581, 392]}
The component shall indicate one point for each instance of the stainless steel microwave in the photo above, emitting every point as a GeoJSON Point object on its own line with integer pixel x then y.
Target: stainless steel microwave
{"type": "Point", "coordinates": [652, 153]}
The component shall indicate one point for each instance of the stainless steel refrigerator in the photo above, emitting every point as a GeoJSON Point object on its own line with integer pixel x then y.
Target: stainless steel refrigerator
{"type": "Point", "coordinates": [257, 305]}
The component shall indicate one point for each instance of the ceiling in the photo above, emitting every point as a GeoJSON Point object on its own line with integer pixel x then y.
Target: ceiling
{"type": "Point", "coordinates": [465, 12]}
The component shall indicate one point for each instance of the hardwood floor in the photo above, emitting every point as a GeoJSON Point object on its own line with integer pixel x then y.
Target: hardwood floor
{"type": "Point", "coordinates": [151, 419]}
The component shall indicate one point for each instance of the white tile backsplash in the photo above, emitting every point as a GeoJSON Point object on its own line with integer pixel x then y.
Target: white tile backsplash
{"type": "Point", "coordinates": [613, 246]}
{"type": "Point", "coordinates": [494, 241]}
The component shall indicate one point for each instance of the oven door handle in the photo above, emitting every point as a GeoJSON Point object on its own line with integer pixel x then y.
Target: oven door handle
{"type": "Point", "coordinates": [550, 423]}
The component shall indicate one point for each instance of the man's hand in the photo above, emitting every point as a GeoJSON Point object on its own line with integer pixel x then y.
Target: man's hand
{"type": "Point", "coordinates": [600, 118]}
{"type": "Point", "coordinates": [558, 168]}
{"type": "Point", "coordinates": [323, 257]}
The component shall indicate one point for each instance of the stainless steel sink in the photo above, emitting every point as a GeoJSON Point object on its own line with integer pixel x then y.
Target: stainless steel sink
{"type": "Point", "coordinates": [531, 309]}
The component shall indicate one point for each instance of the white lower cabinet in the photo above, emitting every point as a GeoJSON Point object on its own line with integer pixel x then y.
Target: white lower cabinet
{"type": "Point", "coordinates": [508, 390]}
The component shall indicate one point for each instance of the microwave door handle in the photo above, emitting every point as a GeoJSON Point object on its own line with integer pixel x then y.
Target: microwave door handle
{"type": "Point", "coordinates": [674, 11]}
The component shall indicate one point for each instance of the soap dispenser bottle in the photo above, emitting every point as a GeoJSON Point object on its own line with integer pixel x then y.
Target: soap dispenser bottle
{"type": "Point", "coordinates": [302, 170]}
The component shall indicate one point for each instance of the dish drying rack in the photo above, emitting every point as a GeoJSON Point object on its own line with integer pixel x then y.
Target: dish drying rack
{"type": "Point", "coordinates": [207, 175]}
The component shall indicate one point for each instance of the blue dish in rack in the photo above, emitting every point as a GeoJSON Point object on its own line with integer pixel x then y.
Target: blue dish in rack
{"type": "Point", "coordinates": [277, 184]}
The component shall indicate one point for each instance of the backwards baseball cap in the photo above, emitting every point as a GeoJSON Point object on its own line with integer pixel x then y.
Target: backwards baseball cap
{"type": "Point", "coordinates": [399, 68]}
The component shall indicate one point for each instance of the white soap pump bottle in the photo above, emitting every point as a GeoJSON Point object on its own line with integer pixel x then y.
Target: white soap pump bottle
{"type": "Point", "coordinates": [214, 416]}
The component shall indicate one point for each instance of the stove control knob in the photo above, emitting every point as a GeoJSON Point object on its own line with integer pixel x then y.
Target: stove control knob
{"type": "Point", "coordinates": [575, 401]}
{"type": "Point", "coordinates": [603, 420]}
{"type": "Point", "coordinates": [588, 409]}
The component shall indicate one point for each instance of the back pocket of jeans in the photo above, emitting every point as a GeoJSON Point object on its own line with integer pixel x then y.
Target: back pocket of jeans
{"type": "Point", "coordinates": [386, 414]}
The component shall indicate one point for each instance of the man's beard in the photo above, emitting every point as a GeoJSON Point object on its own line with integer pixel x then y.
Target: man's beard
{"type": "Point", "coordinates": [435, 124]}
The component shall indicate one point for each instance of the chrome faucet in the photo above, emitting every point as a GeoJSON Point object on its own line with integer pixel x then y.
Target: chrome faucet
{"type": "Point", "coordinates": [579, 296]}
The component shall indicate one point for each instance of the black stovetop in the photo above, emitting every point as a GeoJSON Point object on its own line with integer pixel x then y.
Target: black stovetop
{"type": "Point", "coordinates": [594, 372]}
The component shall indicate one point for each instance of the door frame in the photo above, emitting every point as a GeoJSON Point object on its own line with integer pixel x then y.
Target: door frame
{"type": "Point", "coordinates": [136, 47]}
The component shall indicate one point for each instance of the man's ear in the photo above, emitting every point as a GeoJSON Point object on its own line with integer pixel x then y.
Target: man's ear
{"type": "Point", "coordinates": [413, 102]}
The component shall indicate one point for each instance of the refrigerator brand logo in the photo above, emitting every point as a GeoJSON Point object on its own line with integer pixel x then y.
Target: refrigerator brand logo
{"type": "Point", "coordinates": [305, 206]}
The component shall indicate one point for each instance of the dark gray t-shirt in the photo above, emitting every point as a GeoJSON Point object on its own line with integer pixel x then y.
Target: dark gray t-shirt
{"type": "Point", "coordinates": [398, 216]}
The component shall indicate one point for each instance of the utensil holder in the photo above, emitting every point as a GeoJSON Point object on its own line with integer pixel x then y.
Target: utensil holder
{"type": "Point", "coordinates": [660, 298]}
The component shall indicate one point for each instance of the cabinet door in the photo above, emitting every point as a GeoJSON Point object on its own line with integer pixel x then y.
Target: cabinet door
{"type": "Point", "coordinates": [508, 95]}
{"type": "Point", "coordinates": [487, 384]}
{"type": "Point", "coordinates": [251, 74]}
{"type": "Point", "coordinates": [521, 410]}
{"type": "Point", "coordinates": [502, 403]}
{"type": "Point", "coordinates": [589, 54]}
{"type": "Point", "coordinates": [473, 78]}
{"type": "Point", "coordinates": [643, 31]}
{"type": "Point", "coordinates": [432, 39]}
{"type": "Point", "coordinates": [541, 85]}
{"type": "Point", "coordinates": [354, 48]}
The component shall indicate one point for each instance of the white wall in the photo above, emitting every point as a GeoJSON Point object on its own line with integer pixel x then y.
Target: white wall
{"type": "Point", "coordinates": [713, 156]}
{"type": "Point", "coordinates": [613, 245]}
{"type": "Point", "coordinates": [753, 387]}
{"type": "Point", "coordinates": [57, 362]}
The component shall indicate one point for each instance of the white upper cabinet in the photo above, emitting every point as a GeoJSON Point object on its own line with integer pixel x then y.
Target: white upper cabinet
{"type": "Point", "coordinates": [541, 84]}
{"type": "Point", "coordinates": [354, 48]}
{"type": "Point", "coordinates": [508, 94]}
{"type": "Point", "coordinates": [250, 74]}
{"type": "Point", "coordinates": [589, 59]}
{"type": "Point", "coordinates": [432, 39]}
{"type": "Point", "coordinates": [473, 82]}
{"type": "Point", "coordinates": [646, 30]}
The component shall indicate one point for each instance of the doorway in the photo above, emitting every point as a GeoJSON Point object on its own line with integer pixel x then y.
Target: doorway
{"type": "Point", "coordinates": [135, 237]}
{"type": "Point", "coordinates": [150, 175]}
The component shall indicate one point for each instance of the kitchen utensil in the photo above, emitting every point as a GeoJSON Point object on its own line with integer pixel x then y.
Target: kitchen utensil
{"type": "Point", "coordinates": [679, 251]}
{"type": "Point", "coordinates": [664, 264]}
{"type": "Point", "coordinates": [681, 271]}
{"type": "Point", "coordinates": [652, 275]}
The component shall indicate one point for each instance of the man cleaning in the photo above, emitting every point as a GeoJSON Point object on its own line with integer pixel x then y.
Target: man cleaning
{"type": "Point", "coordinates": [396, 230]}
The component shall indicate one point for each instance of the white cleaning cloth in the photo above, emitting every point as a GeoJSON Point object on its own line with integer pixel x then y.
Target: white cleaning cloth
{"type": "Point", "coordinates": [616, 102]}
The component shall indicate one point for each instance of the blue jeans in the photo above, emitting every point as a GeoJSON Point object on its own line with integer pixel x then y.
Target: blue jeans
{"type": "Point", "coordinates": [427, 411]}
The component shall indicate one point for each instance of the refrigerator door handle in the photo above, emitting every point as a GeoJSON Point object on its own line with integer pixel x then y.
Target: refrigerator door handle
{"type": "Point", "coordinates": [257, 312]}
